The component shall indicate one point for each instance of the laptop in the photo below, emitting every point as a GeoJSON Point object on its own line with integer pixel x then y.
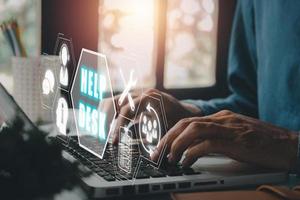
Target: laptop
{"type": "Point", "coordinates": [108, 180]}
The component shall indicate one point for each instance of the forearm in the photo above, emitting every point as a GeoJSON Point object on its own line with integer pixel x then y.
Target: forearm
{"type": "Point", "coordinates": [193, 109]}
{"type": "Point", "coordinates": [233, 103]}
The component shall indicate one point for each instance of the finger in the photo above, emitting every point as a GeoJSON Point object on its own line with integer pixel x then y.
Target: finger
{"type": "Point", "coordinates": [197, 151]}
{"type": "Point", "coordinates": [140, 101]}
{"type": "Point", "coordinates": [169, 137]}
{"type": "Point", "coordinates": [224, 117]}
{"type": "Point", "coordinates": [153, 93]}
{"type": "Point", "coordinates": [119, 104]}
{"type": "Point", "coordinates": [126, 111]}
{"type": "Point", "coordinates": [121, 120]}
{"type": "Point", "coordinates": [204, 148]}
{"type": "Point", "coordinates": [197, 130]}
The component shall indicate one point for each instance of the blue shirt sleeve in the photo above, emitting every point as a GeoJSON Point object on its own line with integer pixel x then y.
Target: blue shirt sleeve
{"type": "Point", "coordinates": [242, 67]}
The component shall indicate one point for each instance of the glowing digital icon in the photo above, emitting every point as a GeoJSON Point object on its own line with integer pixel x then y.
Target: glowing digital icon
{"type": "Point", "coordinates": [62, 114]}
{"type": "Point", "coordinates": [93, 103]}
{"type": "Point", "coordinates": [125, 149]}
{"type": "Point", "coordinates": [48, 82]}
{"type": "Point", "coordinates": [126, 92]}
{"type": "Point", "coordinates": [91, 121]}
{"type": "Point", "coordinates": [149, 129]}
{"type": "Point", "coordinates": [92, 86]}
{"type": "Point", "coordinates": [92, 83]}
{"type": "Point", "coordinates": [2, 126]}
{"type": "Point", "coordinates": [64, 59]}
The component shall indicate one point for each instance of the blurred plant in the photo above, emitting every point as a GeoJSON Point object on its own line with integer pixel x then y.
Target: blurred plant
{"type": "Point", "coordinates": [31, 166]}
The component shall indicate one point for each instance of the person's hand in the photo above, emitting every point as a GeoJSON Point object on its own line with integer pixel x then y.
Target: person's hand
{"type": "Point", "coordinates": [174, 109]}
{"type": "Point", "coordinates": [236, 136]}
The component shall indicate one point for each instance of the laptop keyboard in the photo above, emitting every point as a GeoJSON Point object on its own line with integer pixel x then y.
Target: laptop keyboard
{"type": "Point", "coordinates": [107, 167]}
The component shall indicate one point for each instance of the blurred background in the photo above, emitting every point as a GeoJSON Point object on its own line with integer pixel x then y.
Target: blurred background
{"type": "Point", "coordinates": [180, 46]}
{"type": "Point", "coordinates": [28, 13]}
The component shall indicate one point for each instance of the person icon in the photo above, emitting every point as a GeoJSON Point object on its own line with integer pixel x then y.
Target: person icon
{"type": "Point", "coordinates": [154, 129]}
{"type": "Point", "coordinates": [144, 124]}
{"type": "Point", "coordinates": [62, 114]}
{"type": "Point", "coordinates": [149, 130]}
{"type": "Point", "coordinates": [64, 59]}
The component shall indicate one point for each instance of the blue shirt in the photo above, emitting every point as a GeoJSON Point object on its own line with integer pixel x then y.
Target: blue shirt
{"type": "Point", "coordinates": [264, 63]}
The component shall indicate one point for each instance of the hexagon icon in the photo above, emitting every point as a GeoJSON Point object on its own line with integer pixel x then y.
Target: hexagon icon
{"type": "Point", "coordinates": [127, 80]}
{"type": "Point", "coordinates": [62, 115]}
{"type": "Point", "coordinates": [151, 126]}
{"type": "Point", "coordinates": [67, 64]}
{"type": "Point", "coordinates": [48, 80]}
{"type": "Point", "coordinates": [93, 101]}
{"type": "Point", "coordinates": [126, 158]}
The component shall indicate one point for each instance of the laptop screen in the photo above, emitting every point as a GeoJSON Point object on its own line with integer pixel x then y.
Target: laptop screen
{"type": "Point", "coordinates": [9, 110]}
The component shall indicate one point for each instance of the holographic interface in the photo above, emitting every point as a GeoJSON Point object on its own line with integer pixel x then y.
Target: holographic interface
{"type": "Point", "coordinates": [67, 65]}
{"type": "Point", "coordinates": [149, 129]}
{"type": "Point", "coordinates": [128, 86]}
{"type": "Point", "coordinates": [89, 104]}
{"type": "Point", "coordinates": [125, 149]}
{"type": "Point", "coordinates": [93, 102]}
{"type": "Point", "coordinates": [49, 80]}
{"type": "Point", "coordinates": [151, 125]}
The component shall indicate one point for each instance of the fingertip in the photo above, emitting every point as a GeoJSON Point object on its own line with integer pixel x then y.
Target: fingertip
{"type": "Point", "coordinates": [115, 140]}
{"type": "Point", "coordinates": [171, 159]}
{"type": "Point", "coordinates": [153, 156]}
{"type": "Point", "coordinates": [187, 162]}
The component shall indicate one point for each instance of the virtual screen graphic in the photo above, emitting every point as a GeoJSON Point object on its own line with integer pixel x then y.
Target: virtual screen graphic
{"type": "Point", "coordinates": [62, 113]}
{"type": "Point", "coordinates": [149, 129]}
{"type": "Point", "coordinates": [126, 80]}
{"type": "Point", "coordinates": [151, 125]}
{"type": "Point", "coordinates": [93, 102]}
{"type": "Point", "coordinates": [66, 70]}
{"type": "Point", "coordinates": [126, 158]}
{"type": "Point", "coordinates": [49, 80]}
{"type": "Point", "coordinates": [125, 147]}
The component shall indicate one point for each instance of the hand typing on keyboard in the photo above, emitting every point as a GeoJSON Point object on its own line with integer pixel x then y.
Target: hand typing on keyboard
{"type": "Point", "coordinates": [175, 110]}
{"type": "Point", "coordinates": [237, 136]}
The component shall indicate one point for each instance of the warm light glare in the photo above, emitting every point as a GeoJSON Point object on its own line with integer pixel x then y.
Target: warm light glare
{"type": "Point", "coordinates": [208, 5]}
{"type": "Point", "coordinates": [191, 43]}
{"type": "Point", "coordinates": [129, 25]}
{"type": "Point", "coordinates": [206, 24]}
{"type": "Point", "coordinates": [190, 6]}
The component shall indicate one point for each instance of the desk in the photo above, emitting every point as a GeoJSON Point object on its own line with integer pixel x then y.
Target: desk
{"type": "Point", "coordinates": [78, 194]}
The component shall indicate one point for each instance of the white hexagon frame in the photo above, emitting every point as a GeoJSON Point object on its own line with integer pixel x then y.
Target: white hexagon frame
{"type": "Point", "coordinates": [99, 56]}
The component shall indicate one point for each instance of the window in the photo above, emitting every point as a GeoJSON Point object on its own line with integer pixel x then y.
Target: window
{"type": "Point", "coordinates": [190, 58]}
{"type": "Point", "coordinates": [127, 31]}
{"type": "Point", "coordinates": [127, 28]}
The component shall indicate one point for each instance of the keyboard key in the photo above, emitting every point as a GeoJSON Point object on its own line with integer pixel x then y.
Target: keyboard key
{"type": "Point", "coordinates": [99, 162]}
{"type": "Point", "coordinates": [94, 159]}
{"type": "Point", "coordinates": [124, 177]}
{"type": "Point", "coordinates": [102, 173]}
{"type": "Point", "coordinates": [142, 175]}
{"type": "Point", "coordinates": [110, 169]}
{"type": "Point", "coordinates": [174, 172]}
{"type": "Point", "coordinates": [154, 173]}
{"type": "Point", "coordinates": [109, 178]}
{"type": "Point", "coordinates": [189, 171]}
